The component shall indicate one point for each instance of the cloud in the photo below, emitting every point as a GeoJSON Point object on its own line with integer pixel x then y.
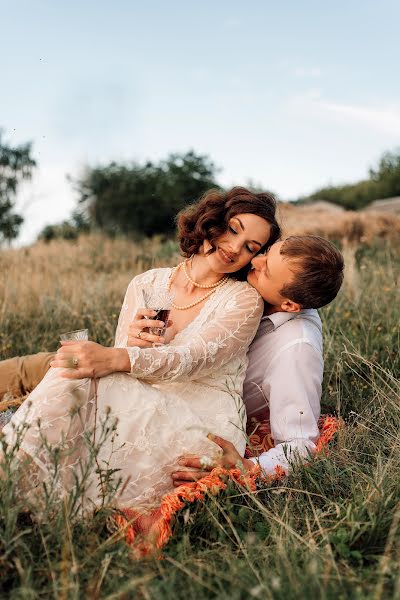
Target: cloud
{"type": "Point", "coordinates": [385, 119]}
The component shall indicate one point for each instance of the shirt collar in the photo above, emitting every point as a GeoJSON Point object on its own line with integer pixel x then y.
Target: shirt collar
{"type": "Point", "coordinates": [280, 318]}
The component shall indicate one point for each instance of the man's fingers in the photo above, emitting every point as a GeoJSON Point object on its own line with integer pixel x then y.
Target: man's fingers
{"type": "Point", "coordinates": [186, 476]}
{"type": "Point", "coordinates": [192, 462]}
{"type": "Point", "coordinates": [224, 444]}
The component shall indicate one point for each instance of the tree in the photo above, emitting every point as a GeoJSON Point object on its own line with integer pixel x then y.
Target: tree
{"type": "Point", "coordinates": [387, 175]}
{"type": "Point", "coordinates": [66, 230]}
{"type": "Point", "coordinates": [383, 182]}
{"type": "Point", "coordinates": [144, 199]}
{"type": "Point", "coordinates": [16, 165]}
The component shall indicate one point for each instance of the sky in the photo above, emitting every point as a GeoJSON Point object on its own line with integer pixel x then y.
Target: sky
{"type": "Point", "coordinates": [291, 96]}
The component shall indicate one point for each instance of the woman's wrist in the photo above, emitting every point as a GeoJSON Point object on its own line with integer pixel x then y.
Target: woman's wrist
{"type": "Point", "coordinates": [120, 360]}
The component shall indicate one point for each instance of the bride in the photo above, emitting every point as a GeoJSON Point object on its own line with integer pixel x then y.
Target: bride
{"type": "Point", "coordinates": [165, 397]}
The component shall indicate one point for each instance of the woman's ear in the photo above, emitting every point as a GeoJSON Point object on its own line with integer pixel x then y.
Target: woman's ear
{"type": "Point", "coordinates": [290, 306]}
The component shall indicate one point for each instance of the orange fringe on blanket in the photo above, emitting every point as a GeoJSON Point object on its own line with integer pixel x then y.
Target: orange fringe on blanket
{"type": "Point", "coordinates": [148, 532]}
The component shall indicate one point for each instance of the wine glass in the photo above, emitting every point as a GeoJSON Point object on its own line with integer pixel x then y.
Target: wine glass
{"type": "Point", "coordinates": [79, 335]}
{"type": "Point", "coordinates": [159, 299]}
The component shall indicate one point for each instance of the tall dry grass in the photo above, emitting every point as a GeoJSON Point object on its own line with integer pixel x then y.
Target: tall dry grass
{"type": "Point", "coordinates": [349, 227]}
{"type": "Point", "coordinates": [331, 531]}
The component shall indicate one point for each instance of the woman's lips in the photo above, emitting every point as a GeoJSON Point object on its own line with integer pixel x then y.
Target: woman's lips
{"type": "Point", "coordinates": [225, 257]}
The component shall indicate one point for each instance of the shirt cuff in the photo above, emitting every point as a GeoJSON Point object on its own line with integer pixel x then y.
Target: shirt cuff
{"type": "Point", "coordinates": [283, 455]}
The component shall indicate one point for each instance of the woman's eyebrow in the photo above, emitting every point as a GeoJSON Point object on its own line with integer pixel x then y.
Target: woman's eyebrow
{"type": "Point", "coordinates": [241, 225]}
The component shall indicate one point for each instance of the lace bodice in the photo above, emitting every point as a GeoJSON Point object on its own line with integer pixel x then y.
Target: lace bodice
{"type": "Point", "coordinates": [220, 333]}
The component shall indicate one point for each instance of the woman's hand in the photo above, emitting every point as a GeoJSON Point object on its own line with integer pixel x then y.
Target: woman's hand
{"type": "Point", "coordinates": [230, 459]}
{"type": "Point", "coordinates": [138, 333]}
{"type": "Point", "coordinates": [88, 359]}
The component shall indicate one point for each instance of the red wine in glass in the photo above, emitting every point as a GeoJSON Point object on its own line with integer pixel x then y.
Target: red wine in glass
{"type": "Point", "coordinates": [162, 315]}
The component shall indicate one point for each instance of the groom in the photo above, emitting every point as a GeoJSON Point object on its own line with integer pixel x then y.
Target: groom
{"type": "Point", "coordinates": [285, 371]}
{"type": "Point", "coordinates": [285, 368]}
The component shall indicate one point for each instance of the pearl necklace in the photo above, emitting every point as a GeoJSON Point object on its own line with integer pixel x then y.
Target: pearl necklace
{"type": "Point", "coordinates": [215, 286]}
{"type": "Point", "coordinates": [200, 285]}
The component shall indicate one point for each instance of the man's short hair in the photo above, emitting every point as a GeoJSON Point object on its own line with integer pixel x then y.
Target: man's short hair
{"type": "Point", "coordinates": [318, 267]}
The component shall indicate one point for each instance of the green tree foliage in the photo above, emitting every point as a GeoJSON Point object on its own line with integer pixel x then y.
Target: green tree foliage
{"type": "Point", "coordinates": [67, 230]}
{"type": "Point", "coordinates": [144, 199]}
{"type": "Point", "coordinates": [383, 182]}
{"type": "Point", "coordinates": [16, 164]}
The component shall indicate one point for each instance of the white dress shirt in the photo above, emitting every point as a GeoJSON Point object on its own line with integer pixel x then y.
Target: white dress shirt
{"type": "Point", "coordinates": [285, 375]}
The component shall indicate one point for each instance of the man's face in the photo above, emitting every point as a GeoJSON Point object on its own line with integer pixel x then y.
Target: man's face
{"type": "Point", "coordinates": [270, 273]}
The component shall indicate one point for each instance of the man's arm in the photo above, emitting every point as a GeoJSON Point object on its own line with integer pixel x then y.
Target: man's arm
{"type": "Point", "coordinates": [293, 383]}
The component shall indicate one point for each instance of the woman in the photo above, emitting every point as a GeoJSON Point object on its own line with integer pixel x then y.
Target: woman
{"type": "Point", "coordinates": [166, 398]}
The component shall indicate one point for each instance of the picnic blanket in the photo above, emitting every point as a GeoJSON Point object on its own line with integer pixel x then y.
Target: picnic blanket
{"type": "Point", "coordinates": [148, 533]}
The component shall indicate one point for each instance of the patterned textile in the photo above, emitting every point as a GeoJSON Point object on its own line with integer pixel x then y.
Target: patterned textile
{"type": "Point", "coordinates": [147, 533]}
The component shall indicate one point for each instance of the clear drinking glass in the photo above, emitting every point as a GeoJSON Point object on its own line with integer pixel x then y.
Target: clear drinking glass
{"type": "Point", "coordinates": [159, 299]}
{"type": "Point", "coordinates": [78, 335]}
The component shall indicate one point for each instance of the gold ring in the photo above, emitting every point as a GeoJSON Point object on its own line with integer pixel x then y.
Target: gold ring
{"type": "Point", "coordinates": [75, 361]}
{"type": "Point", "coordinates": [139, 335]}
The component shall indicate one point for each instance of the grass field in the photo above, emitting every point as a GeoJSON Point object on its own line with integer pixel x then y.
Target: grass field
{"type": "Point", "coordinates": [330, 531]}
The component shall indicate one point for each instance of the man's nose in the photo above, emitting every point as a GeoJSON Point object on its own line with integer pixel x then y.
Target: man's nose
{"type": "Point", "coordinates": [257, 262]}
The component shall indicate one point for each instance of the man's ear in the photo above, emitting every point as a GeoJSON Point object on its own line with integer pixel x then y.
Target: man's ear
{"type": "Point", "coordinates": [290, 306]}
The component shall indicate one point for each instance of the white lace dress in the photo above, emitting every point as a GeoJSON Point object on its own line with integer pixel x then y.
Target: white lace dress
{"type": "Point", "coordinates": [174, 395]}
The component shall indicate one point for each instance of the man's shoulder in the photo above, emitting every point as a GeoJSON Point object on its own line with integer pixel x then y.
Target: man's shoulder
{"type": "Point", "coordinates": [289, 331]}
{"type": "Point", "coordinates": [307, 321]}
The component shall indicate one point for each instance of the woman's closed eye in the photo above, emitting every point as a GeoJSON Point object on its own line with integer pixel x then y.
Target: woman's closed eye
{"type": "Point", "coordinates": [248, 248]}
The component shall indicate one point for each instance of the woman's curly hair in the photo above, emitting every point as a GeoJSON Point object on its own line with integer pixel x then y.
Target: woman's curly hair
{"type": "Point", "coordinates": [208, 218]}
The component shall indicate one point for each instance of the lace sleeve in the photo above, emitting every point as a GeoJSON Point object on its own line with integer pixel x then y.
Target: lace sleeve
{"type": "Point", "coordinates": [128, 311]}
{"type": "Point", "coordinates": [232, 328]}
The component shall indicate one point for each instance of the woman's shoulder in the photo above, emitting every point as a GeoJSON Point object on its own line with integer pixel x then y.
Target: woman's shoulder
{"type": "Point", "coordinates": [243, 287]}
{"type": "Point", "coordinates": [242, 290]}
{"type": "Point", "coordinates": [151, 277]}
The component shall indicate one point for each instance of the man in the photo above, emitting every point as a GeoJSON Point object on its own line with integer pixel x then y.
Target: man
{"type": "Point", "coordinates": [285, 368]}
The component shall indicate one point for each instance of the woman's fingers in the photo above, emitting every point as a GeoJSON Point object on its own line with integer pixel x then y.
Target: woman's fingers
{"type": "Point", "coordinates": [145, 323]}
{"type": "Point", "coordinates": [78, 374]}
{"type": "Point", "coordinates": [62, 364]}
{"type": "Point", "coordinates": [143, 339]}
{"type": "Point", "coordinates": [144, 312]}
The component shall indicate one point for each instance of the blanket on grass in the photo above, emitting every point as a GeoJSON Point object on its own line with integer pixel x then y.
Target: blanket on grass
{"type": "Point", "coordinates": [148, 533]}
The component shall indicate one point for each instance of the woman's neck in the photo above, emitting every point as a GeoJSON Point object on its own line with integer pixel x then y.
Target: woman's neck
{"type": "Point", "coordinates": [199, 270]}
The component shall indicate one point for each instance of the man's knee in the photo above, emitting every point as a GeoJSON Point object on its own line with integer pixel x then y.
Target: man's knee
{"type": "Point", "coordinates": [20, 375]}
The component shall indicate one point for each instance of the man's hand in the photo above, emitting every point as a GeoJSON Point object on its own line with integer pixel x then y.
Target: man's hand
{"type": "Point", "coordinates": [138, 332]}
{"type": "Point", "coordinates": [230, 459]}
{"type": "Point", "coordinates": [88, 359]}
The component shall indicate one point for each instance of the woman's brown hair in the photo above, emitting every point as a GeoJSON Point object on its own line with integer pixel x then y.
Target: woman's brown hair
{"type": "Point", "coordinates": [208, 218]}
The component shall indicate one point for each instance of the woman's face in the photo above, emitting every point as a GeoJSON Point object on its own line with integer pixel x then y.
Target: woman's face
{"type": "Point", "coordinates": [244, 237]}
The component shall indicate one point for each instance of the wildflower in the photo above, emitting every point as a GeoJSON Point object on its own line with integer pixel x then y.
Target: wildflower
{"type": "Point", "coordinates": [206, 461]}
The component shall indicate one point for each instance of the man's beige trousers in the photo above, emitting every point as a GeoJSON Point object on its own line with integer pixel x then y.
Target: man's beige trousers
{"type": "Point", "coordinates": [20, 375]}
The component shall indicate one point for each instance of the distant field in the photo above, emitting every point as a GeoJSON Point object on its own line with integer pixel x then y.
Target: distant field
{"type": "Point", "coordinates": [330, 531]}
